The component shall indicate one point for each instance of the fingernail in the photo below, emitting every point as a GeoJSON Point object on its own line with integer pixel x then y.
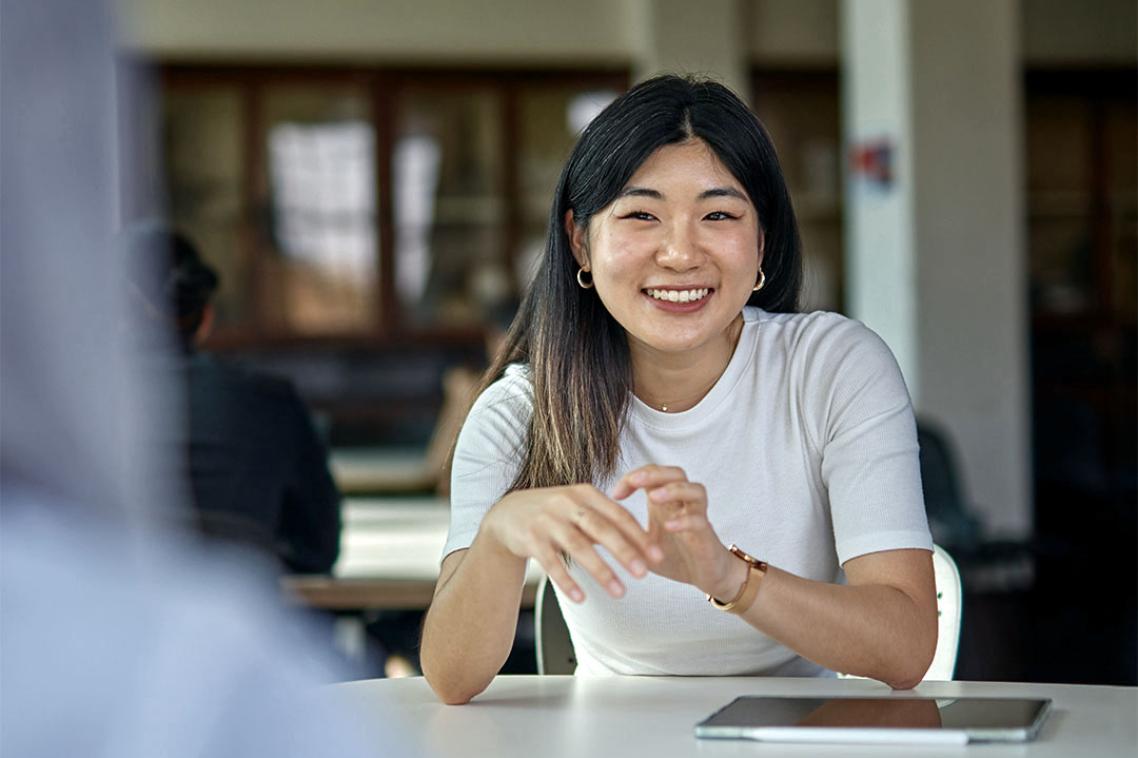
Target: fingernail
{"type": "Point", "coordinates": [673, 525]}
{"type": "Point", "coordinates": [655, 553]}
{"type": "Point", "coordinates": [658, 495]}
{"type": "Point", "coordinates": [616, 588]}
{"type": "Point", "coordinates": [637, 478]}
{"type": "Point", "coordinates": [638, 567]}
{"type": "Point", "coordinates": [577, 596]}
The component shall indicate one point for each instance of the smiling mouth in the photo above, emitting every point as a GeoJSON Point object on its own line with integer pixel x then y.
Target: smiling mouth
{"type": "Point", "coordinates": [678, 296]}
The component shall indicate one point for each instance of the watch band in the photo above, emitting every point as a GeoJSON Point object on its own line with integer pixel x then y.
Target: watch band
{"type": "Point", "coordinates": [756, 570]}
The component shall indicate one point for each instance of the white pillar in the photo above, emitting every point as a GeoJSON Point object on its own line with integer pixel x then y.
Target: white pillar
{"type": "Point", "coordinates": [935, 259]}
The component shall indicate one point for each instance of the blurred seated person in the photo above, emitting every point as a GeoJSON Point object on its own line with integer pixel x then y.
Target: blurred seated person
{"type": "Point", "coordinates": [257, 469]}
{"type": "Point", "coordinates": [460, 389]}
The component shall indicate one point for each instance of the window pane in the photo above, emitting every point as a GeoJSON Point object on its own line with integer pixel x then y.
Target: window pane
{"type": "Point", "coordinates": [320, 276]}
{"type": "Point", "coordinates": [551, 119]}
{"type": "Point", "coordinates": [1061, 263]}
{"type": "Point", "coordinates": [449, 209]}
{"type": "Point", "coordinates": [1122, 200]}
{"type": "Point", "coordinates": [803, 119]}
{"type": "Point", "coordinates": [204, 159]}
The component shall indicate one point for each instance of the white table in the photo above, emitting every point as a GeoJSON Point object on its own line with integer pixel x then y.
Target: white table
{"type": "Point", "coordinates": [553, 716]}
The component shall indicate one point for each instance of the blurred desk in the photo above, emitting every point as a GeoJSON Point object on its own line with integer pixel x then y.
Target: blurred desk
{"type": "Point", "coordinates": [390, 551]}
{"type": "Point", "coordinates": [654, 716]}
{"type": "Point", "coordinates": [374, 470]}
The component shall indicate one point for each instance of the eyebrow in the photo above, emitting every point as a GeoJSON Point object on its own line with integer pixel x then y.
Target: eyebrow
{"type": "Point", "coordinates": [657, 195]}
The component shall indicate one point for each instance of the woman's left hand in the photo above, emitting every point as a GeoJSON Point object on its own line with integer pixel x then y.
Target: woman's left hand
{"type": "Point", "coordinates": [677, 522]}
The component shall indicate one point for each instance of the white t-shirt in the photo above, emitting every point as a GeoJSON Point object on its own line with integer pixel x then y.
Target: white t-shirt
{"type": "Point", "coordinates": [808, 450]}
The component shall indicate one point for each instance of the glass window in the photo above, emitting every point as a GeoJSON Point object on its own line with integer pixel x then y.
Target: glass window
{"type": "Point", "coordinates": [449, 206]}
{"type": "Point", "coordinates": [551, 118]}
{"type": "Point", "coordinates": [320, 275]}
{"type": "Point", "coordinates": [801, 113]}
{"type": "Point", "coordinates": [205, 162]}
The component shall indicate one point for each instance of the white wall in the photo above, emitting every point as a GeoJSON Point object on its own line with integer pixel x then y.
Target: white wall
{"type": "Point", "coordinates": [971, 263]}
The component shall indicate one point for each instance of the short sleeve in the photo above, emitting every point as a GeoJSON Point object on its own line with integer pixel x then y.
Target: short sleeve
{"type": "Point", "coordinates": [488, 454]}
{"type": "Point", "coordinates": [870, 457]}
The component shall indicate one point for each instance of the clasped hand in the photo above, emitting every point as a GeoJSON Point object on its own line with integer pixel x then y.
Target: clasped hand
{"type": "Point", "coordinates": [679, 543]}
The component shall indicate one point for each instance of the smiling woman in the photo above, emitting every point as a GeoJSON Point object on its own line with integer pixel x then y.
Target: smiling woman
{"type": "Point", "coordinates": [658, 395]}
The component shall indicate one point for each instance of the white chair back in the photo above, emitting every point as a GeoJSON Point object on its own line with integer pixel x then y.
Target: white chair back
{"type": "Point", "coordinates": [949, 608]}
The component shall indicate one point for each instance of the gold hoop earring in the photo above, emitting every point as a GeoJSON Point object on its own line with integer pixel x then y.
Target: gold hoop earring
{"type": "Point", "coordinates": [584, 285]}
{"type": "Point", "coordinates": [762, 281]}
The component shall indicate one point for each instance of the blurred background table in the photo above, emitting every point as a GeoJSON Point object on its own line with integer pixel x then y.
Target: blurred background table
{"type": "Point", "coordinates": [373, 470]}
{"type": "Point", "coordinates": [390, 551]}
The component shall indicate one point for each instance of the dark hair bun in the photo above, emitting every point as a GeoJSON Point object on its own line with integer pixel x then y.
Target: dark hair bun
{"type": "Point", "coordinates": [169, 275]}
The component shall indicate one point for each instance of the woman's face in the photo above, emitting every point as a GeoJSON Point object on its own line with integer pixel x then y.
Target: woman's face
{"type": "Point", "coordinates": [675, 256]}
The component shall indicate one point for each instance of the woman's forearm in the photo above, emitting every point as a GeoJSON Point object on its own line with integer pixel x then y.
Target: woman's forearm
{"type": "Point", "coordinates": [871, 630]}
{"type": "Point", "coordinates": [470, 626]}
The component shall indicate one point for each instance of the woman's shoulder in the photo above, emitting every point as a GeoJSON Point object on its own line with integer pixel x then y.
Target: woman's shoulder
{"type": "Point", "coordinates": [510, 395]}
{"type": "Point", "coordinates": [497, 422]}
{"type": "Point", "coordinates": [812, 331]}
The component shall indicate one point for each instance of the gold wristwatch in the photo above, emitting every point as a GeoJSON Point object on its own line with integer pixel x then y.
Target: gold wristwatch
{"type": "Point", "coordinates": [756, 570]}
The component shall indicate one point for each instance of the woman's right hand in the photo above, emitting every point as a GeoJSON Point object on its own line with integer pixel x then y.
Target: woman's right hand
{"type": "Point", "coordinates": [551, 522]}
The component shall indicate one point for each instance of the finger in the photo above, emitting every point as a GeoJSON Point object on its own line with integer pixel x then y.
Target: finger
{"type": "Point", "coordinates": [580, 549]}
{"type": "Point", "coordinates": [552, 565]}
{"type": "Point", "coordinates": [602, 531]}
{"type": "Point", "coordinates": [689, 522]}
{"type": "Point", "coordinates": [692, 494]}
{"type": "Point", "coordinates": [646, 477]}
{"type": "Point", "coordinates": [630, 543]}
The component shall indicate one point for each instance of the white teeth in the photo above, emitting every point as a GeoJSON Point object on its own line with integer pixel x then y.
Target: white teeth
{"type": "Point", "coordinates": [678, 296]}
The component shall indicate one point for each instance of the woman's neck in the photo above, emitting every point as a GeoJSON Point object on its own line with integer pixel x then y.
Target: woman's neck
{"type": "Point", "coordinates": [675, 382]}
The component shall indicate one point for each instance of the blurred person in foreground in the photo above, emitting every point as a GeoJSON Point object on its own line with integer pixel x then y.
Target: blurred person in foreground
{"type": "Point", "coordinates": [118, 639]}
{"type": "Point", "coordinates": [257, 469]}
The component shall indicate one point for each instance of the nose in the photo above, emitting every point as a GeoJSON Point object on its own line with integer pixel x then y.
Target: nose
{"type": "Point", "coordinates": [679, 249]}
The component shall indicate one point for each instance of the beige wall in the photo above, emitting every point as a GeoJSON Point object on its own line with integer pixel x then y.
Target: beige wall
{"type": "Point", "coordinates": [777, 32]}
{"type": "Point", "coordinates": [794, 32]}
{"type": "Point", "coordinates": [412, 31]}
{"type": "Point", "coordinates": [1079, 32]}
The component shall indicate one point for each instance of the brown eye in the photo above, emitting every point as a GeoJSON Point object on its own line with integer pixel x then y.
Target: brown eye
{"type": "Point", "coordinates": [639, 216]}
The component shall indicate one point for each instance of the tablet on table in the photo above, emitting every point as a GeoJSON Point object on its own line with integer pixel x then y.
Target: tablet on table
{"type": "Point", "coordinates": [893, 719]}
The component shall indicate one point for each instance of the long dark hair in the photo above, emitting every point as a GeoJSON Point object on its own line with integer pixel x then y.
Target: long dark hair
{"type": "Point", "coordinates": [577, 353]}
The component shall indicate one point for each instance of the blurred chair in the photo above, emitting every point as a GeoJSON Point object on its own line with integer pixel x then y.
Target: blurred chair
{"type": "Point", "coordinates": [951, 519]}
{"type": "Point", "coordinates": [555, 653]}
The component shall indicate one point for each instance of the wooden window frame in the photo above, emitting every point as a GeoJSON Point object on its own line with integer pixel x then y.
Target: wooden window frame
{"type": "Point", "coordinates": [384, 86]}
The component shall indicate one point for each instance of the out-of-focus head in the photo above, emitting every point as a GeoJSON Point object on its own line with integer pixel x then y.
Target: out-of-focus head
{"type": "Point", "coordinates": [169, 278]}
{"type": "Point", "coordinates": [668, 110]}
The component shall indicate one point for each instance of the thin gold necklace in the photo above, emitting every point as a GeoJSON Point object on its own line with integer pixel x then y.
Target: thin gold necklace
{"type": "Point", "coordinates": [734, 343]}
